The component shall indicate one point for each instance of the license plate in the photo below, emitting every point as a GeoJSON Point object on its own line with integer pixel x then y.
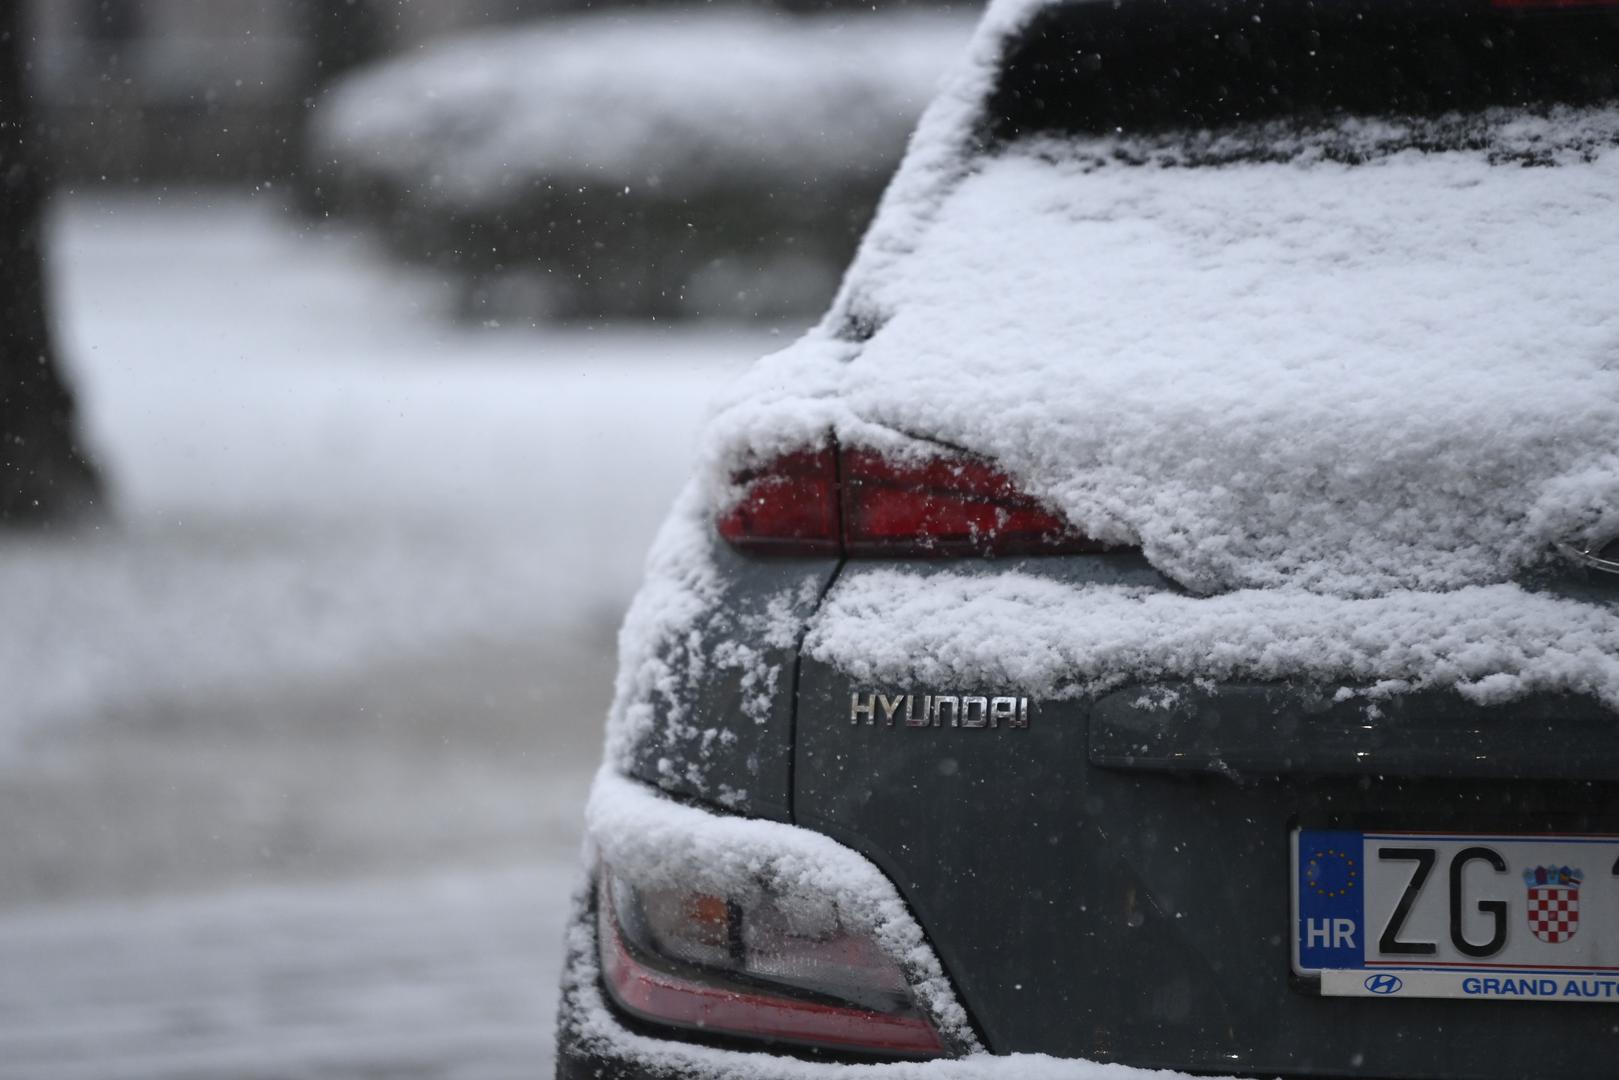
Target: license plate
{"type": "Point", "coordinates": [1457, 915]}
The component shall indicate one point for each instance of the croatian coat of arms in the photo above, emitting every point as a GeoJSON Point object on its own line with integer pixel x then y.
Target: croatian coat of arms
{"type": "Point", "coordinates": [1554, 902]}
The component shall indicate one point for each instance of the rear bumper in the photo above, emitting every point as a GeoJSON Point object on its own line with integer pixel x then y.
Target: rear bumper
{"type": "Point", "coordinates": [1420, 1039]}
{"type": "Point", "coordinates": [595, 1041]}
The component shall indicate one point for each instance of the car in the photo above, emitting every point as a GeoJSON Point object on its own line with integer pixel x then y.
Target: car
{"type": "Point", "coordinates": [665, 162]}
{"type": "Point", "coordinates": [1164, 614]}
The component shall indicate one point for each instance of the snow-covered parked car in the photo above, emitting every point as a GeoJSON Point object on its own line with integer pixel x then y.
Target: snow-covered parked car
{"type": "Point", "coordinates": [704, 161]}
{"type": "Point", "coordinates": [1164, 614]}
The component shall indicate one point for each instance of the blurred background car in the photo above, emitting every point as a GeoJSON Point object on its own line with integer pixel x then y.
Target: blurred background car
{"type": "Point", "coordinates": [719, 162]}
{"type": "Point", "coordinates": [301, 682]}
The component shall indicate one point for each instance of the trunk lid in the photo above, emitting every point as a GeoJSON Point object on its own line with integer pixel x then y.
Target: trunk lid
{"type": "Point", "coordinates": [1111, 881]}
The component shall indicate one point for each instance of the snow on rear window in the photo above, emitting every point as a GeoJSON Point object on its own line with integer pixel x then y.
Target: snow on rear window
{"type": "Point", "coordinates": [1346, 384]}
{"type": "Point", "coordinates": [1398, 374]}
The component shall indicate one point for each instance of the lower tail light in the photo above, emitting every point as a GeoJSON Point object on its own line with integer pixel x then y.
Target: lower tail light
{"type": "Point", "coordinates": [859, 502]}
{"type": "Point", "coordinates": [755, 967]}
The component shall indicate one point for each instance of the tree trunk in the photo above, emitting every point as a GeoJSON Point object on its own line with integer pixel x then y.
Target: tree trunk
{"type": "Point", "coordinates": [44, 475]}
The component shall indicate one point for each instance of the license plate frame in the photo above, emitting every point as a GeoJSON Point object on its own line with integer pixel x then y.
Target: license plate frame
{"type": "Point", "coordinates": [1398, 914]}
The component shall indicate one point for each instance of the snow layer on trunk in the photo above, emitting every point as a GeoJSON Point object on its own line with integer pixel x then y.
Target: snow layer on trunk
{"type": "Point", "coordinates": [1050, 639]}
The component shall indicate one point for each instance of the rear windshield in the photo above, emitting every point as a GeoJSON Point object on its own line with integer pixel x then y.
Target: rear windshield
{"type": "Point", "coordinates": [1204, 66]}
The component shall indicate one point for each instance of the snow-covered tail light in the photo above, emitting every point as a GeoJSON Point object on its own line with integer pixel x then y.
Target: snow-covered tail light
{"type": "Point", "coordinates": [755, 966]}
{"type": "Point", "coordinates": [860, 502]}
{"type": "Point", "coordinates": [948, 505]}
{"type": "Point", "coordinates": [789, 507]}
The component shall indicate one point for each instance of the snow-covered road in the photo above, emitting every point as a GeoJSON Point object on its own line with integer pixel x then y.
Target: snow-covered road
{"type": "Point", "coordinates": [309, 468]}
{"type": "Point", "coordinates": [430, 976]}
{"type": "Point", "coordinates": [292, 751]}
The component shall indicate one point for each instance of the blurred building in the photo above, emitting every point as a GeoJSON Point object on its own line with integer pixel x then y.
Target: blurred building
{"type": "Point", "coordinates": [212, 89]}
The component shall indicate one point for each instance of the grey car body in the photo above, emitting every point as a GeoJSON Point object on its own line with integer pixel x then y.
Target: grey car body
{"type": "Point", "coordinates": [1105, 882]}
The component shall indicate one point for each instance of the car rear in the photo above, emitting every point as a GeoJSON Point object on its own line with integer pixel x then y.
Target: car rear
{"type": "Point", "coordinates": [1231, 713]}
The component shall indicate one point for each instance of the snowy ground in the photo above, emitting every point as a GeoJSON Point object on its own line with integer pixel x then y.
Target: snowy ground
{"type": "Point", "coordinates": [292, 751]}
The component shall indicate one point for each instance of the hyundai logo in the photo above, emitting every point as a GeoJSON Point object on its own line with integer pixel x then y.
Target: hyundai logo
{"type": "Point", "coordinates": [1384, 984]}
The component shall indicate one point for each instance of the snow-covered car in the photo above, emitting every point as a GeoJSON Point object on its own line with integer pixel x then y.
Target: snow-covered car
{"type": "Point", "coordinates": [1164, 614]}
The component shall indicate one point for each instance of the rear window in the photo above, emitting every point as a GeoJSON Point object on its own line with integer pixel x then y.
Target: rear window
{"type": "Point", "coordinates": [1146, 66]}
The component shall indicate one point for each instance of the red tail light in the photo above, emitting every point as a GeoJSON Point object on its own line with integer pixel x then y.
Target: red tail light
{"type": "Point", "coordinates": [957, 505]}
{"type": "Point", "coordinates": [861, 503]}
{"type": "Point", "coordinates": [789, 507]}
